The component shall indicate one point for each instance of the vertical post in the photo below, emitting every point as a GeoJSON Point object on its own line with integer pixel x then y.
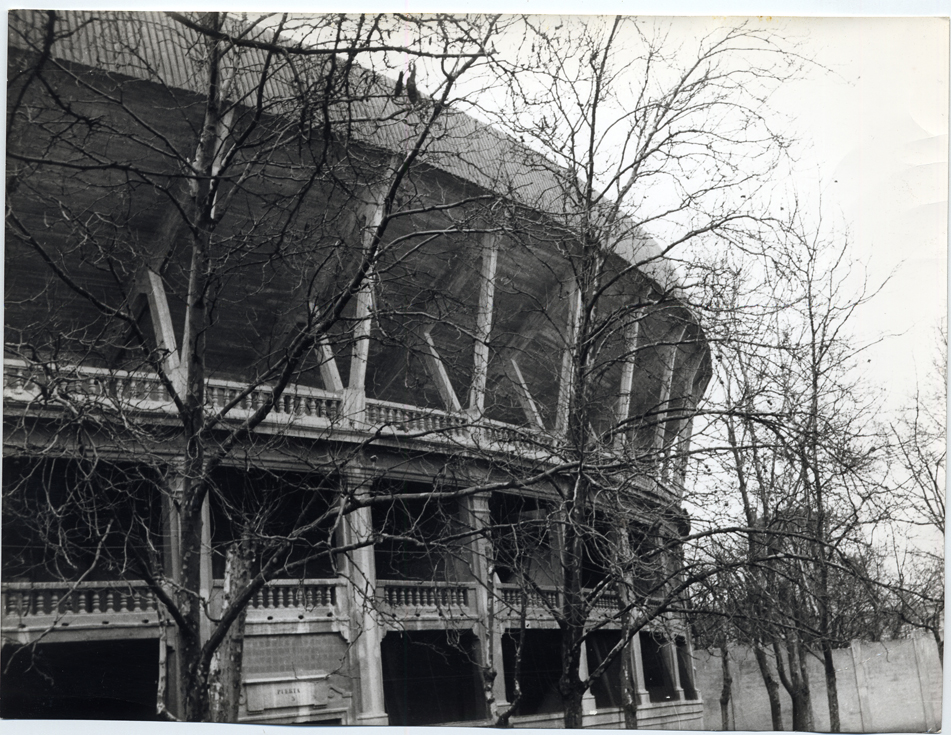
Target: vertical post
{"type": "Point", "coordinates": [206, 583]}
{"type": "Point", "coordinates": [623, 410]}
{"type": "Point", "coordinates": [670, 656]}
{"type": "Point", "coordinates": [172, 553]}
{"type": "Point", "coordinates": [567, 361]}
{"type": "Point", "coordinates": [489, 624]}
{"type": "Point", "coordinates": [643, 696]}
{"type": "Point", "coordinates": [932, 718]}
{"type": "Point", "coordinates": [663, 404]}
{"type": "Point", "coordinates": [354, 398]}
{"type": "Point", "coordinates": [367, 628]}
{"type": "Point", "coordinates": [588, 703]}
{"type": "Point", "coordinates": [480, 367]}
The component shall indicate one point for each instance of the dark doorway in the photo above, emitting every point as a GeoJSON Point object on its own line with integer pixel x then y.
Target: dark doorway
{"type": "Point", "coordinates": [539, 670]}
{"type": "Point", "coordinates": [607, 688]}
{"type": "Point", "coordinates": [430, 677]}
{"type": "Point", "coordinates": [98, 680]}
{"type": "Point", "coordinates": [658, 677]}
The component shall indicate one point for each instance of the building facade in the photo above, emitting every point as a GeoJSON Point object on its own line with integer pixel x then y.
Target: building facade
{"type": "Point", "coordinates": [438, 405]}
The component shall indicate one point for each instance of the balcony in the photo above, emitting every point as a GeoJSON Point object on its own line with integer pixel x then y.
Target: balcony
{"type": "Point", "coordinates": [294, 600]}
{"type": "Point", "coordinates": [299, 408]}
{"type": "Point", "coordinates": [408, 600]}
{"type": "Point", "coordinates": [31, 608]}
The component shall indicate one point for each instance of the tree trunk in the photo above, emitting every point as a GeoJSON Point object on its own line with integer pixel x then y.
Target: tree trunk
{"type": "Point", "coordinates": [832, 690]}
{"type": "Point", "coordinates": [726, 692]}
{"type": "Point", "coordinates": [936, 633]}
{"type": "Point", "coordinates": [772, 687]}
{"type": "Point", "coordinates": [629, 689]}
{"type": "Point", "coordinates": [573, 708]}
{"type": "Point", "coordinates": [798, 686]}
{"type": "Point", "coordinates": [226, 666]}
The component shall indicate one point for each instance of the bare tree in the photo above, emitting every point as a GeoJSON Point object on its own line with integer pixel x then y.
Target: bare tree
{"type": "Point", "coordinates": [919, 446]}
{"type": "Point", "coordinates": [639, 137]}
{"type": "Point", "coordinates": [804, 453]}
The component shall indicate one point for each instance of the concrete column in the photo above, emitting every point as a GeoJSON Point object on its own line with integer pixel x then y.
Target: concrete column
{"type": "Point", "coordinates": [623, 410]}
{"type": "Point", "coordinates": [354, 398]}
{"type": "Point", "coordinates": [172, 558]}
{"type": "Point", "coordinates": [670, 656]}
{"type": "Point", "coordinates": [367, 629]}
{"type": "Point", "coordinates": [480, 366]}
{"type": "Point", "coordinates": [588, 704]}
{"type": "Point", "coordinates": [643, 696]}
{"type": "Point", "coordinates": [489, 625]}
{"type": "Point", "coordinates": [567, 360]}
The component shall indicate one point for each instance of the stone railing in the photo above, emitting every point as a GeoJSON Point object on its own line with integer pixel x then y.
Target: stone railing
{"type": "Point", "coordinates": [406, 595]}
{"type": "Point", "coordinates": [607, 602]}
{"type": "Point", "coordinates": [28, 604]}
{"type": "Point", "coordinates": [298, 408]}
{"type": "Point", "coordinates": [412, 419]}
{"type": "Point", "coordinates": [293, 594]}
{"type": "Point", "coordinates": [297, 402]}
{"type": "Point", "coordinates": [541, 601]}
{"type": "Point", "coordinates": [131, 391]}
{"type": "Point", "coordinates": [544, 598]}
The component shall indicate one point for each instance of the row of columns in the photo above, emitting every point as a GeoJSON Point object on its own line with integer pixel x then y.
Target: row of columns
{"type": "Point", "coordinates": [368, 630]}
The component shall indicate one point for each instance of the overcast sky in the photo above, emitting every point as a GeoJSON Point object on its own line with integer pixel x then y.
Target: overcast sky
{"type": "Point", "coordinates": [878, 125]}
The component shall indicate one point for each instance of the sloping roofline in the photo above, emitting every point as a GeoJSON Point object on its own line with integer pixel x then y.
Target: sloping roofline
{"type": "Point", "coordinates": [134, 44]}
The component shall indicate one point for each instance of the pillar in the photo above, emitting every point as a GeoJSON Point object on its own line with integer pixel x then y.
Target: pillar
{"type": "Point", "coordinates": [488, 610]}
{"type": "Point", "coordinates": [566, 380]}
{"type": "Point", "coordinates": [623, 410]}
{"type": "Point", "coordinates": [588, 704]}
{"type": "Point", "coordinates": [480, 362]}
{"type": "Point", "coordinates": [366, 626]}
{"type": "Point", "coordinates": [643, 696]}
{"type": "Point", "coordinates": [670, 656]}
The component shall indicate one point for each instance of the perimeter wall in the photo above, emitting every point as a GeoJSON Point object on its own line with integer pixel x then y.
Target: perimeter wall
{"type": "Point", "coordinates": [890, 686]}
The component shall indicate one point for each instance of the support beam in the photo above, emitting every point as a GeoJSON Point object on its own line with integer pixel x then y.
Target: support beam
{"type": "Point", "coordinates": [643, 696]}
{"type": "Point", "coordinates": [623, 410]}
{"type": "Point", "coordinates": [480, 362]}
{"type": "Point", "coordinates": [525, 395]}
{"type": "Point", "coordinates": [364, 298]}
{"type": "Point", "coordinates": [488, 626]}
{"type": "Point", "coordinates": [150, 283]}
{"type": "Point", "coordinates": [666, 385]}
{"type": "Point", "coordinates": [329, 372]}
{"type": "Point", "coordinates": [367, 629]}
{"type": "Point", "coordinates": [437, 371]}
{"type": "Point", "coordinates": [566, 380]}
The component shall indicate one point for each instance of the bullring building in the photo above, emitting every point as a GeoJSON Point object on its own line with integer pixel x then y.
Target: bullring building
{"type": "Point", "coordinates": [402, 477]}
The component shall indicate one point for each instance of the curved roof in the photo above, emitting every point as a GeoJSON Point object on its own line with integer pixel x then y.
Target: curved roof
{"type": "Point", "coordinates": [136, 44]}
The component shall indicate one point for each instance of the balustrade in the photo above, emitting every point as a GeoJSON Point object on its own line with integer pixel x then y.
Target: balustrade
{"type": "Point", "coordinates": [144, 391]}
{"type": "Point", "coordinates": [412, 419]}
{"type": "Point", "coordinates": [25, 601]}
{"type": "Point", "coordinates": [434, 595]}
{"type": "Point", "coordinates": [547, 598]}
{"type": "Point", "coordinates": [291, 594]}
